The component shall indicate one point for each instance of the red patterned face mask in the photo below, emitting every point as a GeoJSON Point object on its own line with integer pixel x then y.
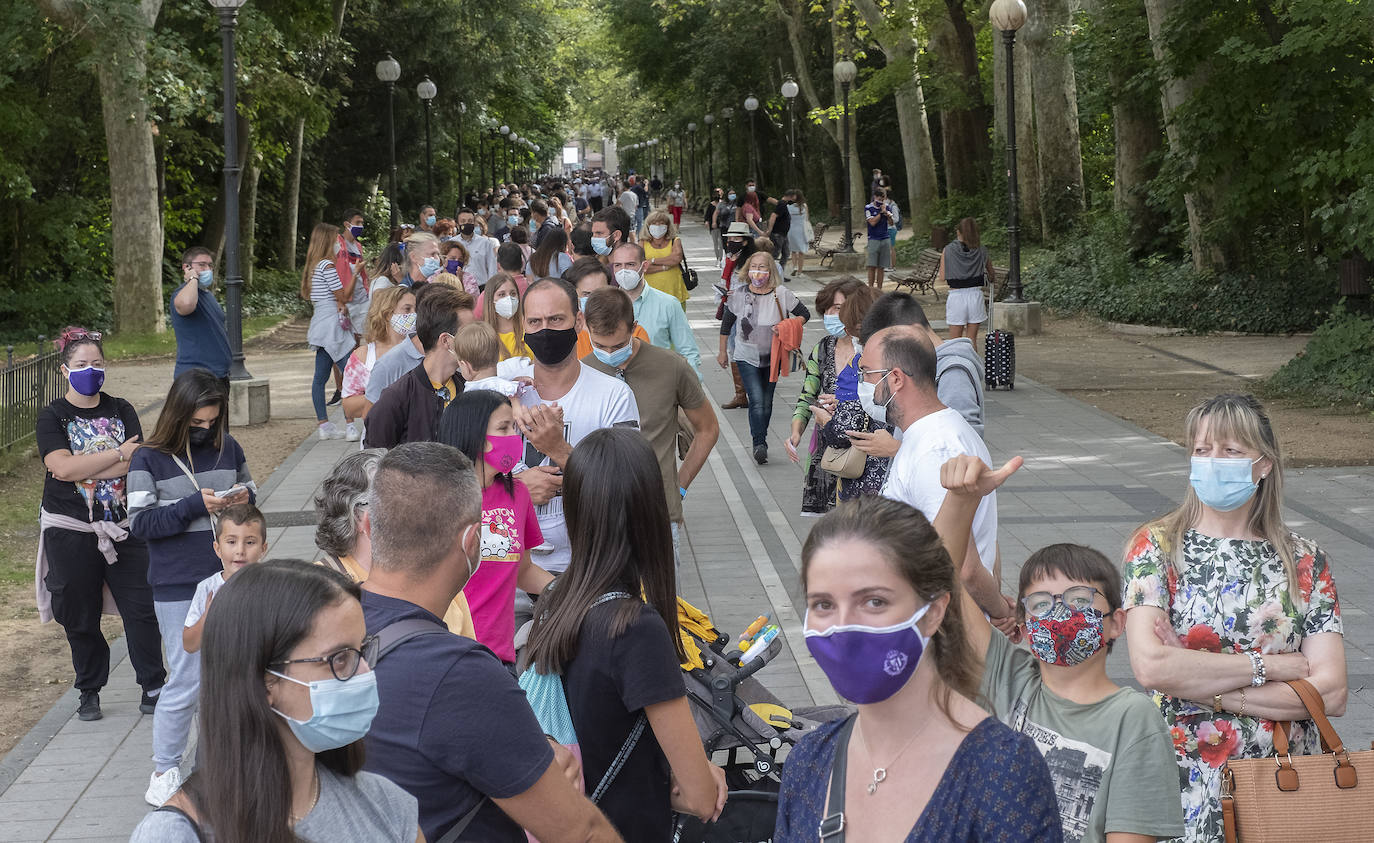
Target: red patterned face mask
{"type": "Point", "coordinates": [1065, 636]}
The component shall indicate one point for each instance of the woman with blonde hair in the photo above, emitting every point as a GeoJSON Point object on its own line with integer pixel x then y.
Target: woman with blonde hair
{"type": "Point", "coordinates": [1224, 605]}
{"type": "Point", "coordinates": [390, 322]}
{"type": "Point", "coordinates": [503, 310]}
{"type": "Point", "coordinates": [663, 251]}
{"type": "Point", "coordinates": [331, 330]}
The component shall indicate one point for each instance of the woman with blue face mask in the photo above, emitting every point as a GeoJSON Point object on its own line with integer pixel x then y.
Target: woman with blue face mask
{"type": "Point", "coordinates": [1224, 604]}
{"type": "Point", "coordinates": [920, 761]}
{"type": "Point", "coordinates": [289, 696]}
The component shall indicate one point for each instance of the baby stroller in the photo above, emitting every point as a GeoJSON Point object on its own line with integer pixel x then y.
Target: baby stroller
{"type": "Point", "coordinates": [738, 717]}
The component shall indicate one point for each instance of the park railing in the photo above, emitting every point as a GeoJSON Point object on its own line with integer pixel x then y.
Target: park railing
{"type": "Point", "coordinates": [27, 385]}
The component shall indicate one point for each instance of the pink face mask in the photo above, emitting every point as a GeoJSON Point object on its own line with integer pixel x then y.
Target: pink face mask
{"type": "Point", "coordinates": [758, 277]}
{"type": "Point", "coordinates": [504, 453]}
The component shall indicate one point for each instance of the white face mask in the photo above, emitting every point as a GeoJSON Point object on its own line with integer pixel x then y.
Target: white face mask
{"type": "Point", "coordinates": [628, 279]}
{"type": "Point", "coordinates": [506, 305]}
{"type": "Point", "coordinates": [658, 230]}
{"type": "Point", "coordinates": [867, 399]}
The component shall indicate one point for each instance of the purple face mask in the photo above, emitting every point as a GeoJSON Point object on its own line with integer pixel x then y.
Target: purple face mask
{"type": "Point", "coordinates": [868, 664]}
{"type": "Point", "coordinates": [87, 380]}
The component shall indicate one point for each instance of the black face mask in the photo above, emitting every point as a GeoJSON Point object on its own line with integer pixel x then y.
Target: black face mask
{"type": "Point", "coordinates": [733, 247]}
{"type": "Point", "coordinates": [551, 346]}
{"type": "Point", "coordinates": [201, 436]}
{"type": "Point", "coordinates": [467, 228]}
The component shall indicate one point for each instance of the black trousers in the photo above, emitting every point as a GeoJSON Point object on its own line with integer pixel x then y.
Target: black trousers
{"type": "Point", "coordinates": [76, 572]}
{"type": "Point", "coordinates": [595, 203]}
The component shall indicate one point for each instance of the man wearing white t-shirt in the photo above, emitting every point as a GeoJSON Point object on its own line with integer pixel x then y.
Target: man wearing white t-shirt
{"type": "Point", "coordinates": [569, 401]}
{"type": "Point", "coordinates": [897, 385]}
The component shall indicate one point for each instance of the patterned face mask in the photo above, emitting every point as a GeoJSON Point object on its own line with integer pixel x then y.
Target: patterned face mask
{"type": "Point", "coordinates": [1065, 636]}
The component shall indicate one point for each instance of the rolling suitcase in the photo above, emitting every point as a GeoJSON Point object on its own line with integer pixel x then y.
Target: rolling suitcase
{"type": "Point", "coordinates": [999, 353]}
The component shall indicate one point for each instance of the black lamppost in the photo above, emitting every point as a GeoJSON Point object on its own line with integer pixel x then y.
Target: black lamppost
{"type": "Point", "coordinates": [462, 109]}
{"type": "Point", "coordinates": [751, 104]}
{"type": "Point", "coordinates": [388, 71]}
{"type": "Point", "coordinates": [505, 153]}
{"type": "Point", "coordinates": [427, 92]}
{"type": "Point", "coordinates": [710, 153]}
{"type": "Point", "coordinates": [789, 93]}
{"type": "Point", "coordinates": [233, 281]}
{"type": "Point", "coordinates": [1009, 16]}
{"type": "Point", "coordinates": [729, 113]}
{"type": "Point", "coordinates": [845, 72]}
{"type": "Point", "coordinates": [693, 181]}
{"type": "Point", "coordinates": [491, 130]}
{"type": "Point", "coordinates": [513, 161]}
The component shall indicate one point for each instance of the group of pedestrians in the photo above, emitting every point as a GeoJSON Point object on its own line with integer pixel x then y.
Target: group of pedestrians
{"type": "Point", "coordinates": [517, 514]}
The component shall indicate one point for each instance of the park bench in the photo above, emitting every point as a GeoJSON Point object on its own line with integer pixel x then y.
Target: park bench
{"type": "Point", "coordinates": [828, 253]}
{"type": "Point", "coordinates": [921, 277]}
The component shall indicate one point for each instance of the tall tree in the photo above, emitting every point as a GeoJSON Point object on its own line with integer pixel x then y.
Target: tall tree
{"type": "Point", "coordinates": [965, 116]}
{"type": "Point", "coordinates": [116, 37]}
{"type": "Point", "coordinates": [1056, 113]}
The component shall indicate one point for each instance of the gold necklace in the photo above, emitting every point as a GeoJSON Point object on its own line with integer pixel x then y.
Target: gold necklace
{"type": "Point", "coordinates": [313, 802]}
{"type": "Point", "coordinates": [880, 773]}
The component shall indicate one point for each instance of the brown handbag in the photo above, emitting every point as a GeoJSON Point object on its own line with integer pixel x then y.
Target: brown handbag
{"type": "Point", "coordinates": [1308, 797]}
{"type": "Point", "coordinates": [847, 463]}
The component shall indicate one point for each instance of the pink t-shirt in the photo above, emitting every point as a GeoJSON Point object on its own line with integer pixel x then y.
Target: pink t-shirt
{"type": "Point", "coordinates": [509, 528]}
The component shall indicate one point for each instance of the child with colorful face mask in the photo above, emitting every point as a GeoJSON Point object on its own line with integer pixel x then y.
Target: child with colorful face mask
{"type": "Point", "coordinates": [1107, 747]}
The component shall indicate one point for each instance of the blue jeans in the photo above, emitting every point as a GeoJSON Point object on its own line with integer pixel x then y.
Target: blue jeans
{"type": "Point", "coordinates": [323, 368]}
{"type": "Point", "coordinates": [760, 391]}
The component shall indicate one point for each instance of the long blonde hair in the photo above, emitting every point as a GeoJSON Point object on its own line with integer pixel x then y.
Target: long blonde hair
{"type": "Point", "coordinates": [490, 316]}
{"type": "Point", "coordinates": [1240, 418]}
{"type": "Point", "coordinates": [658, 218]}
{"type": "Point", "coordinates": [322, 241]}
{"type": "Point", "coordinates": [384, 303]}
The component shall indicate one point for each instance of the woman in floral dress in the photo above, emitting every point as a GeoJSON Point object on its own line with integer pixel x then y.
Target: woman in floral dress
{"type": "Point", "coordinates": [1224, 604]}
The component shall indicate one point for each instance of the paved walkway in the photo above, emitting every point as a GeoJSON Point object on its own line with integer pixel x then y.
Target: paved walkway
{"type": "Point", "coordinates": [1089, 478]}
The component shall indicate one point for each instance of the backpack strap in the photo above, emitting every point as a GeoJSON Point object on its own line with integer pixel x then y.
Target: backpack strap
{"type": "Point", "coordinates": [172, 809]}
{"type": "Point", "coordinates": [395, 634]}
{"type": "Point", "coordinates": [457, 829]}
{"type": "Point", "coordinates": [832, 825]}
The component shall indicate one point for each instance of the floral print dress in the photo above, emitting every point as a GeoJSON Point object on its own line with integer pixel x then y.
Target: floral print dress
{"type": "Point", "coordinates": [818, 493]}
{"type": "Point", "coordinates": [1231, 597]}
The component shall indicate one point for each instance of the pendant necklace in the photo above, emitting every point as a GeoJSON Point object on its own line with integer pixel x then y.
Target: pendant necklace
{"type": "Point", "coordinates": [880, 773]}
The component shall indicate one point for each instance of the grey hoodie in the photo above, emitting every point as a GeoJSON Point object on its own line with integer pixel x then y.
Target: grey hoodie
{"type": "Point", "coordinates": [959, 380]}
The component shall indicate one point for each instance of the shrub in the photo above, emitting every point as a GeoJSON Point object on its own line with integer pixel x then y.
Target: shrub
{"type": "Point", "coordinates": [1336, 365]}
{"type": "Point", "coordinates": [1093, 273]}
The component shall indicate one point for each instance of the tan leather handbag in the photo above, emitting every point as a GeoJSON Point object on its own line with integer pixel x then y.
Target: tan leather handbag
{"type": "Point", "coordinates": [846, 463]}
{"type": "Point", "coordinates": [1304, 797]}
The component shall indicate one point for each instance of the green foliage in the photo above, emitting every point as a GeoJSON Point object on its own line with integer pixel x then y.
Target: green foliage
{"type": "Point", "coordinates": [1336, 365]}
{"type": "Point", "coordinates": [1091, 273]}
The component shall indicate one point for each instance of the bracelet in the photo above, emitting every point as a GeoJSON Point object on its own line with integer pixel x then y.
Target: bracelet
{"type": "Point", "coordinates": [1216, 703]}
{"type": "Point", "coordinates": [1259, 676]}
{"type": "Point", "coordinates": [1241, 713]}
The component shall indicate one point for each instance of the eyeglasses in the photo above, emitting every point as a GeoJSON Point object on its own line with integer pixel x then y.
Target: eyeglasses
{"type": "Point", "coordinates": [1038, 604]}
{"type": "Point", "coordinates": [85, 335]}
{"type": "Point", "coordinates": [865, 373]}
{"type": "Point", "coordinates": [343, 663]}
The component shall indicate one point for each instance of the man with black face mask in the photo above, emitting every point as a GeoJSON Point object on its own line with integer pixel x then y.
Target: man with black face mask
{"type": "Point", "coordinates": [570, 400]}
{"type": "Point", "coordinates": [481, 250]}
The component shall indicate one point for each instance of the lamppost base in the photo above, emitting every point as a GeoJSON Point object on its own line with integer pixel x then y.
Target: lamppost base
{"type": "Point", "coordinates": [1017, 317]}
{"type": "Point", "coordinates": [250, 402]}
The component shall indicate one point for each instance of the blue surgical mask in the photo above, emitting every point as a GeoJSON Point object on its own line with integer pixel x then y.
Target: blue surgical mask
{"type": "Point", "coordinates": [833, 326]}
{"type": "Point", "coordinates": [867, 393]}
{"type": "Point", "coordinates": [430, 266]}
{"type": "Point", "coordinates": [1222, 484]}
{"type": "Point", "coordinates": [617, 358]}
{"type": "Point", "coordinates": [429, 220]}
{"type": "Point", "coordinates": [341, 711]}
{"type": "Point", "coordinates": [513, 220]}
{"type": "Point", "coordinates": [731, 197]}
{"type": "Point", "coordinates": [600, 246]}
{"type": "Point", "coordinates": [205, 278]}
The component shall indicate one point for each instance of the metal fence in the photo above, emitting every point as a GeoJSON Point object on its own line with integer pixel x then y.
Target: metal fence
{"type": "Point", "coordinates": [26, 387]}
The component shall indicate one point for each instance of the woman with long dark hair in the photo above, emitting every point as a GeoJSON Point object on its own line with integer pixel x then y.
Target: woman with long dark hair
{"type": "Point", "coordinates": [551, 258]}
{"type": "Point", "coordinates": [921, 759]}
{"type": "Point", "coordinates": [289, 695]}
{"type": "Point", "coordinates": [619, 657]}
{"type": "Point", "coordinates": [480, 423]}
{"type": "Point", "coordinates": [188, 470]}
{"type": "Point", "coordinates": [86, 439]}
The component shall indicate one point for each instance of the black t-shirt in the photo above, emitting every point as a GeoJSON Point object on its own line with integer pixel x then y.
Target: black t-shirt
{"type": "Point", "coordinates": [608, 683]}
{"type": "Point", "coordinates": [104, 427]}
{"type": "Point", "coordinates": [783, 223]}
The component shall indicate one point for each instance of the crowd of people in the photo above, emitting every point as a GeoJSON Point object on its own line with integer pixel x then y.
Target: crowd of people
{"type": "Point", "coordinates": [531, 418]}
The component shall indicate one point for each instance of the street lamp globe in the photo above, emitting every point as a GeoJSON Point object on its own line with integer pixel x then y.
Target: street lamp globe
{"type": "Point", "coordinates": [426, 89]}
{"type": "Point", "coordinates": [535, 147]}
{"type": "Point", "coordinates": [727, 112]}
{"type": "Point", "coordinates": [462, 107]}
{"type": "Point", "coordinates": [709, 119]}
{"type": "Point", "coordinates": [692, 127]}
{"type": "Point", "coordinates": [1008, 15]}
{"type": "Point", "coordinates": [846, 71]}
{"type": "Point", "coordinates": [751, 103]}
{"type": "Point", "coordinates": [227, 4]}
{"type": "Point", "coordinates": [505, 130]}
{"type": "Point", "coordinates": [514, 137]}
{"type": "Point", "coordinates": [790, 89]}
{"type": "Point", "coordinates": [388, 69]}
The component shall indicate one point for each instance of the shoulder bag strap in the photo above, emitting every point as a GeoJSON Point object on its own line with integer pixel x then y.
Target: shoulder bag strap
{"type": "Point", "coordinates": [172, 809]}
{"type": "Point", "coordinates": [395, 634]}
{"type": "Point", "coordinates": [457, 829]}
{"type": "Point", "coordinates": [832, 825]}
{"type": "Point", "coordinates": [618, 763]}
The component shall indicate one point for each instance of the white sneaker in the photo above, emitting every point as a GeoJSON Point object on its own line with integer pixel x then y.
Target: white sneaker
{"type": "Point", "coordinates": [352, 434]}
{"type": "Point", "coordinates": [329, 430]}
{"type": "Point", "coordinates": [161, 788]}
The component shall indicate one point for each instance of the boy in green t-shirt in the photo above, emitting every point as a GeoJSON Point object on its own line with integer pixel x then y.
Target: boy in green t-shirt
{"type": "Point", "coordinates": [1107, 747]}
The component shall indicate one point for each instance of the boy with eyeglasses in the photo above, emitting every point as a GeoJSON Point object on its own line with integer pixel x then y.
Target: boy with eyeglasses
{"type": "Point", "coordinates": [1107, 747]}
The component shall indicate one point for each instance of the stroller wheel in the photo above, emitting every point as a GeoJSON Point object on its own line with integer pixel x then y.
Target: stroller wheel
{"type": "Point", "coordinates": [749, 817]}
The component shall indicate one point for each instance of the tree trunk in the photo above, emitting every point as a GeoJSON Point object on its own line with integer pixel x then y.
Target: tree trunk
{"type": "Point", "coordinates": [119, 43]}
{"type": "Point", "coordinates": [1174, 92]}
{"type": "Point", "coordinates": [1056, 114]}
{"type": "Point", "coordinates": [964, 130]}
{"type": "Point", "coordinates": [1027, 162]}
{"type": "Point", "coordinates": [286, 248]}
{"type": "Point", "coordinates": [248, 215]}
{"type": "Point", "coordinates": [899, 47]}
